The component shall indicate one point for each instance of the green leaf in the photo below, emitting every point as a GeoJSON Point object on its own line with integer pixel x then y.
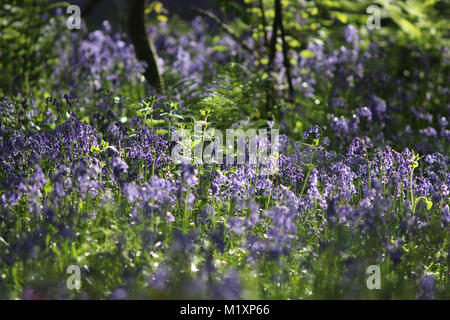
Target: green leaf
{"type": "Point", "coordinates": [60, 4]}
{"type": "Point", "coordinates": [409, 28]}
{"type": "Point", "coordinates": [172, 115]}
{"type": "Point", "coordinates": [307, 53]}
{"type": "Point", "coordinates": [429, 203]}
{"type": "Point", "coordinates": [342, 17]}
{"type": "Point", "coordinates": [293, 43]}
{"type": "Point", "coordinates": [48, 187]}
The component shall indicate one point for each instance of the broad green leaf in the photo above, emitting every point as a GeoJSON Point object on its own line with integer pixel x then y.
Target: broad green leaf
{"type": "Point", "coordinates": [307, 53]}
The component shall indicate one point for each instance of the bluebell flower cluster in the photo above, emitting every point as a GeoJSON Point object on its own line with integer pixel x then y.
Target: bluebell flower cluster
{"type": "Point", "coordinates": [350, 192]}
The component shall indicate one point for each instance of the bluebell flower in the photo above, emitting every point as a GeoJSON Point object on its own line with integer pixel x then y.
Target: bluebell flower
{"type": "Point", "coordinates": [429, 132]}
{"type": "Point", "coordinates": [428, 286]}
{"type": "Point", "coordinates": [351, 34]}
{"type": "Point", "coordinates": [160, 278]}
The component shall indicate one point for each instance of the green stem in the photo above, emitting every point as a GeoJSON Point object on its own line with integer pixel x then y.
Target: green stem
{"type": "Point", "coordinates": [411, 190]}
{"type": "Point", "coordinates": [307, 174]}
{"type": "Point", "coordinates": [186, 215]}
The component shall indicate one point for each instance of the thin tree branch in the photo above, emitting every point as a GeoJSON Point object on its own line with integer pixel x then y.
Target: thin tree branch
{"type": "Point", "coordinates": [278, 25]}
{"type": "Point", "coordinates": [227, 29]}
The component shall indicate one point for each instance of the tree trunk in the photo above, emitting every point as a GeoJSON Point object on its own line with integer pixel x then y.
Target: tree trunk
{"type": "Point", "coordinates": [286, 62]}
{"type": "Point", "coordinates": [278, 26]}
{"type": "Point", "coordinates": [143, 46]}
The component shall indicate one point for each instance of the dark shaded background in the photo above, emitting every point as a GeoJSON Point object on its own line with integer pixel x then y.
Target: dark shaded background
{"type": "Point", "coordinates": [96, 11]}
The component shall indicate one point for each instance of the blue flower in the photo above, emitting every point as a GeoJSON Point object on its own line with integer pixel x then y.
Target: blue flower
{"type": "Point", "coordinates": [351, 34]}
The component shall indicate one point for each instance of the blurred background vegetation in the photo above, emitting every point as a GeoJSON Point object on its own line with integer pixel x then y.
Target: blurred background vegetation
{"type": "Point", "coordinates": [410, 30]}
{"type": "Point", "coordinates": [25, 49]}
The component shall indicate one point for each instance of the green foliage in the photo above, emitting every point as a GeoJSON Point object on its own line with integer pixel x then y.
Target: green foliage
{"type": "Point", "coordinates": [23, 47]}
{"type": "Point", "coordinates": [231, 100]}
{"type": "Point", "coordinates": [235, 7]}
{"type": "Point", "coordinates": [419, 22]}
{"type": "Point", "coordinates": [423, 23]}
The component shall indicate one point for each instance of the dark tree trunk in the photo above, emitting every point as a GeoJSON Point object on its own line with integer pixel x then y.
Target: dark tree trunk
{"type": "Point", "coordinates": [278, 26]}
{"type": "Point", "coordinates": [273, 39]}
{"type": "Point", "coordinates": [264, 22]}
{"type": "Point", "coordinates": [286, 62]}
{"type": "Point", "coordinates": [143, 46]}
